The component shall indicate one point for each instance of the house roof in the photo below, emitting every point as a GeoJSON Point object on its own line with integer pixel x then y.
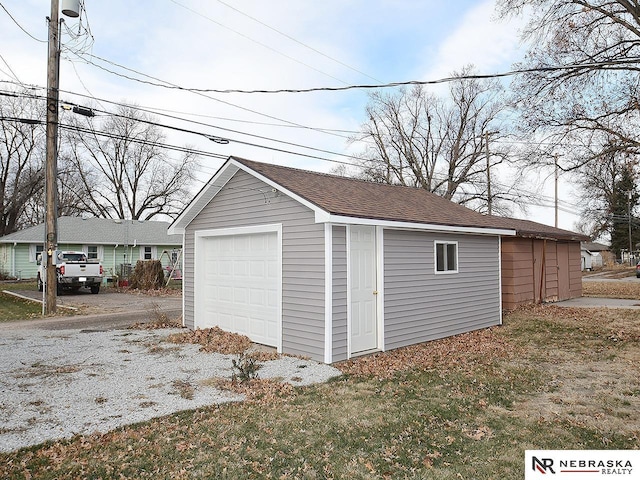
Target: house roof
{"type": "Point", "coordinates": [100, 231]}
{"type": "Point", "coordinates": [347, 199]}
{"type": "Point", "coordinates": [595, 247]}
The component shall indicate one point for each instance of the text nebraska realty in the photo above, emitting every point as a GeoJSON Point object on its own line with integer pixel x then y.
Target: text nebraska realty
{"type": "Point", "coordinates": [604, 467]}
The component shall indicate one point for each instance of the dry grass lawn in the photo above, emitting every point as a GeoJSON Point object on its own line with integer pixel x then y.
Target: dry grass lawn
{"type": "Point", "coordinates": [463, 407]}
{"type": "Point", "coordinates": [630, 290]}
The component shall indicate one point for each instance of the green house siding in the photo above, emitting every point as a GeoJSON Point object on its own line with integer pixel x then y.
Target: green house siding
{"type": "Point", "coordinates": [16, 260]}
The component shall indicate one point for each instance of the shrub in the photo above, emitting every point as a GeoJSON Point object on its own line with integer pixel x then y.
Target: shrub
{"type": "Point", "coordinates": [147, 275]}
{"type": "Point", "coordinates": [247, 367]}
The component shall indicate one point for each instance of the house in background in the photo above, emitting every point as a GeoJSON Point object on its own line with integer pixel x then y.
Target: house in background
{"type": "Point", "coordinates": [332, 267]}
{"type": "Point", "coordinates": [118, 244]}
{"type": "Point", "coordinates": [593, 255]}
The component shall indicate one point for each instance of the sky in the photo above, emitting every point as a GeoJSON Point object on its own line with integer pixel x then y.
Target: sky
{"type": "Point", "coordinates": [257, 45]}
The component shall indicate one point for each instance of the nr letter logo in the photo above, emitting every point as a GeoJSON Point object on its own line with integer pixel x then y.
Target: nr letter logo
{"type": "Point", "coordinates": [542, 465]}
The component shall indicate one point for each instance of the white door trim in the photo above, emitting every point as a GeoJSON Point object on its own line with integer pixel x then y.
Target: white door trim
{"type": "Point", "coordinates": [348, 248]}
{"type": "Point", "coordinates": [328, 293]}
{"type": "Point", "coordinates": [377, 284]}
{"type": "Point", "coordinates": [198, 287]}
{"type": "Point", "coordinates": [380, 285]}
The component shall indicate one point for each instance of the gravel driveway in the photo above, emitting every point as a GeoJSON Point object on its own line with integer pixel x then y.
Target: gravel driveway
{"type": "Point", "coordinates": [56, 384]}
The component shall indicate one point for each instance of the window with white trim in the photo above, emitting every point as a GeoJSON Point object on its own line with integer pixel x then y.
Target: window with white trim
{"type": "Point", "coordinates": [92, 252]}
{"type": "Point", "coordinates": [148, 253]}
{"type": "Point", "coordinates": [34, 251]}
{"type": "Point", "coordinates": [446, 254]}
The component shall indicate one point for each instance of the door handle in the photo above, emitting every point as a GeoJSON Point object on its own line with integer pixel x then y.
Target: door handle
{"type": "Point", "coordinates": [375, 292]}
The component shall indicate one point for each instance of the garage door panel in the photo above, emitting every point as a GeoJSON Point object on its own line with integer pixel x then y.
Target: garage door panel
{"type": "Point", "coordinates": [240, 291]}
{"type": "Point", "coordinates": [240, 295]}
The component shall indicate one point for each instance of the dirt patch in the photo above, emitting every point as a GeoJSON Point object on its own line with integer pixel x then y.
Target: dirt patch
{"type": "Point", "coordinates": [593, 380]}
{"type": "Point", "coordinates": [603, 395]}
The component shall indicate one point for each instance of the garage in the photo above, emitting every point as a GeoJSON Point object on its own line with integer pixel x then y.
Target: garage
{"type": "Point", "coordinates": [238, 282]}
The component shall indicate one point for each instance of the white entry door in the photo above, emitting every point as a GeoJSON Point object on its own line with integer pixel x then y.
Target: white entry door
{"type": "Point", "coordinates": [364, 332]}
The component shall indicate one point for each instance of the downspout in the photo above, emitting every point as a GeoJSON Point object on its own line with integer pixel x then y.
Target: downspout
{"type": "Point", "coordinates": [13, 259]}
{"type": "Point", "coordinates": [115, 249]}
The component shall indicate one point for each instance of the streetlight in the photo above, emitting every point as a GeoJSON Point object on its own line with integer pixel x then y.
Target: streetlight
{"type": "Point", "coordinates": [70, 8]}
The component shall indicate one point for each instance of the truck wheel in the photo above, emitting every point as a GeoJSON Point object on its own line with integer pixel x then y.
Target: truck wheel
{"type": "Point", "coordinates": [95, 288]}
{"type": "Point", "coordinates": [40, 284]}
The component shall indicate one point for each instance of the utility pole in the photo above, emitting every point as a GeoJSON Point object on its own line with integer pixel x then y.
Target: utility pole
{"type": "Point", "coordinates": [71, 9]}
{"type": "Point", "coordinates": [556, 188]}
{"type": "Point", "coordinates": [489, 199]}
{"type": "Point", "coordinates": [629, 211]}
{"type": "Point", "coordinates": [51, 162]}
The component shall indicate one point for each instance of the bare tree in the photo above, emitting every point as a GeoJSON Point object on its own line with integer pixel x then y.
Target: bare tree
{"type": "Point", "coordinates": [418, 139]}
{"type": "Point", "coordinates": [123, 169]}
{"type": "Point", "coordinates": [610, 198]}
{"type": "Point", "coordinates": [590, 108]}
{"type": "Point", "coordinates": [21, 158]}
{"type": "Point", "coordinates": [588, 111]}
{"type": "Point", "coordinates": [68, 183]}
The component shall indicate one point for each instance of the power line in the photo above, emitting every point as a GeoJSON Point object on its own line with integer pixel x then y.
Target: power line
{"type": "Point", "coordinates": [115, 136]}
{"type": "Point", "coordinates": [297, 41]}
{"type": "Point", "coordinates": [241, 142]}
{"type": "Point", "coordinates": [142, 142]}
{"type": "Point", "coordinates": [257, 42]}
{"type": "Point", "coordinates": [177, 87]}
{"type": "Point", "coordinates": [20, 26]}
{"type": "Point", "coordinates": [160, 111]}
{"type": "Point", "coordinates": [209, 136]}
{"type": "Point", "coordinates": [261, 137]}
{"type": "Point", "coordinates": [509, 73]}
{"type": "Point", "coordinates": [10, 69]}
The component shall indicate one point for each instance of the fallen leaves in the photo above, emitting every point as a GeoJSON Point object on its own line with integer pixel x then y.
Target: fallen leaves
{"type": "Point", "coordinates": [464, 351]}
{"type": "Point", "coordinates": [257, 391]}
{"type": "Point", "coordinates": [214, 340]}
{"type": "Point", "coordinates": [480, 433]}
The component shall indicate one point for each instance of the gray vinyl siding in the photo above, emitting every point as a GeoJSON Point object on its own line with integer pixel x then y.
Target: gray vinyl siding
{"type": "Point", "coordinates": [421, 305]}
{"type": "Point", "coordinates": [339, 327]}
{"type": "Point", "coordinates": [246, 201]}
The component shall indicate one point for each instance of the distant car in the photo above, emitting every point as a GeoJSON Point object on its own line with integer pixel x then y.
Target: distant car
{"type": "Point", "coordinates": [638, 270]}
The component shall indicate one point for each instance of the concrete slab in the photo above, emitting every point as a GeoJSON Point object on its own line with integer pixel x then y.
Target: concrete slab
{"type": "Point", "coordinates": [599, 302]}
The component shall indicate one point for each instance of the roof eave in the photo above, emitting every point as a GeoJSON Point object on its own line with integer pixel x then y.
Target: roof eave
{"type": "Point", "coordinates": [552, 237]}
{"type": "Point", "coordinates": [203, 197]}
{"type": "Point", "coordinates": [466, 229]}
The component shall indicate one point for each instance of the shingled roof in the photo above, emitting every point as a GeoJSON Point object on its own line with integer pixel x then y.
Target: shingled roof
{"type": "Point", "coordinates": [350, 197]}
{"type": "Point", "coordinates": [100, 231]}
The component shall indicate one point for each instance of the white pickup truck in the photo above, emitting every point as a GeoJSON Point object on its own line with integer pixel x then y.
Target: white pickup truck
{"type": "Point", "coordinates": [73, 270]}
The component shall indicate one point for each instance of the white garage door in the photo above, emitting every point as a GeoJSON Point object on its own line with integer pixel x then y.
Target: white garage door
{"type": "Point", "coordinates": [239, 289]}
